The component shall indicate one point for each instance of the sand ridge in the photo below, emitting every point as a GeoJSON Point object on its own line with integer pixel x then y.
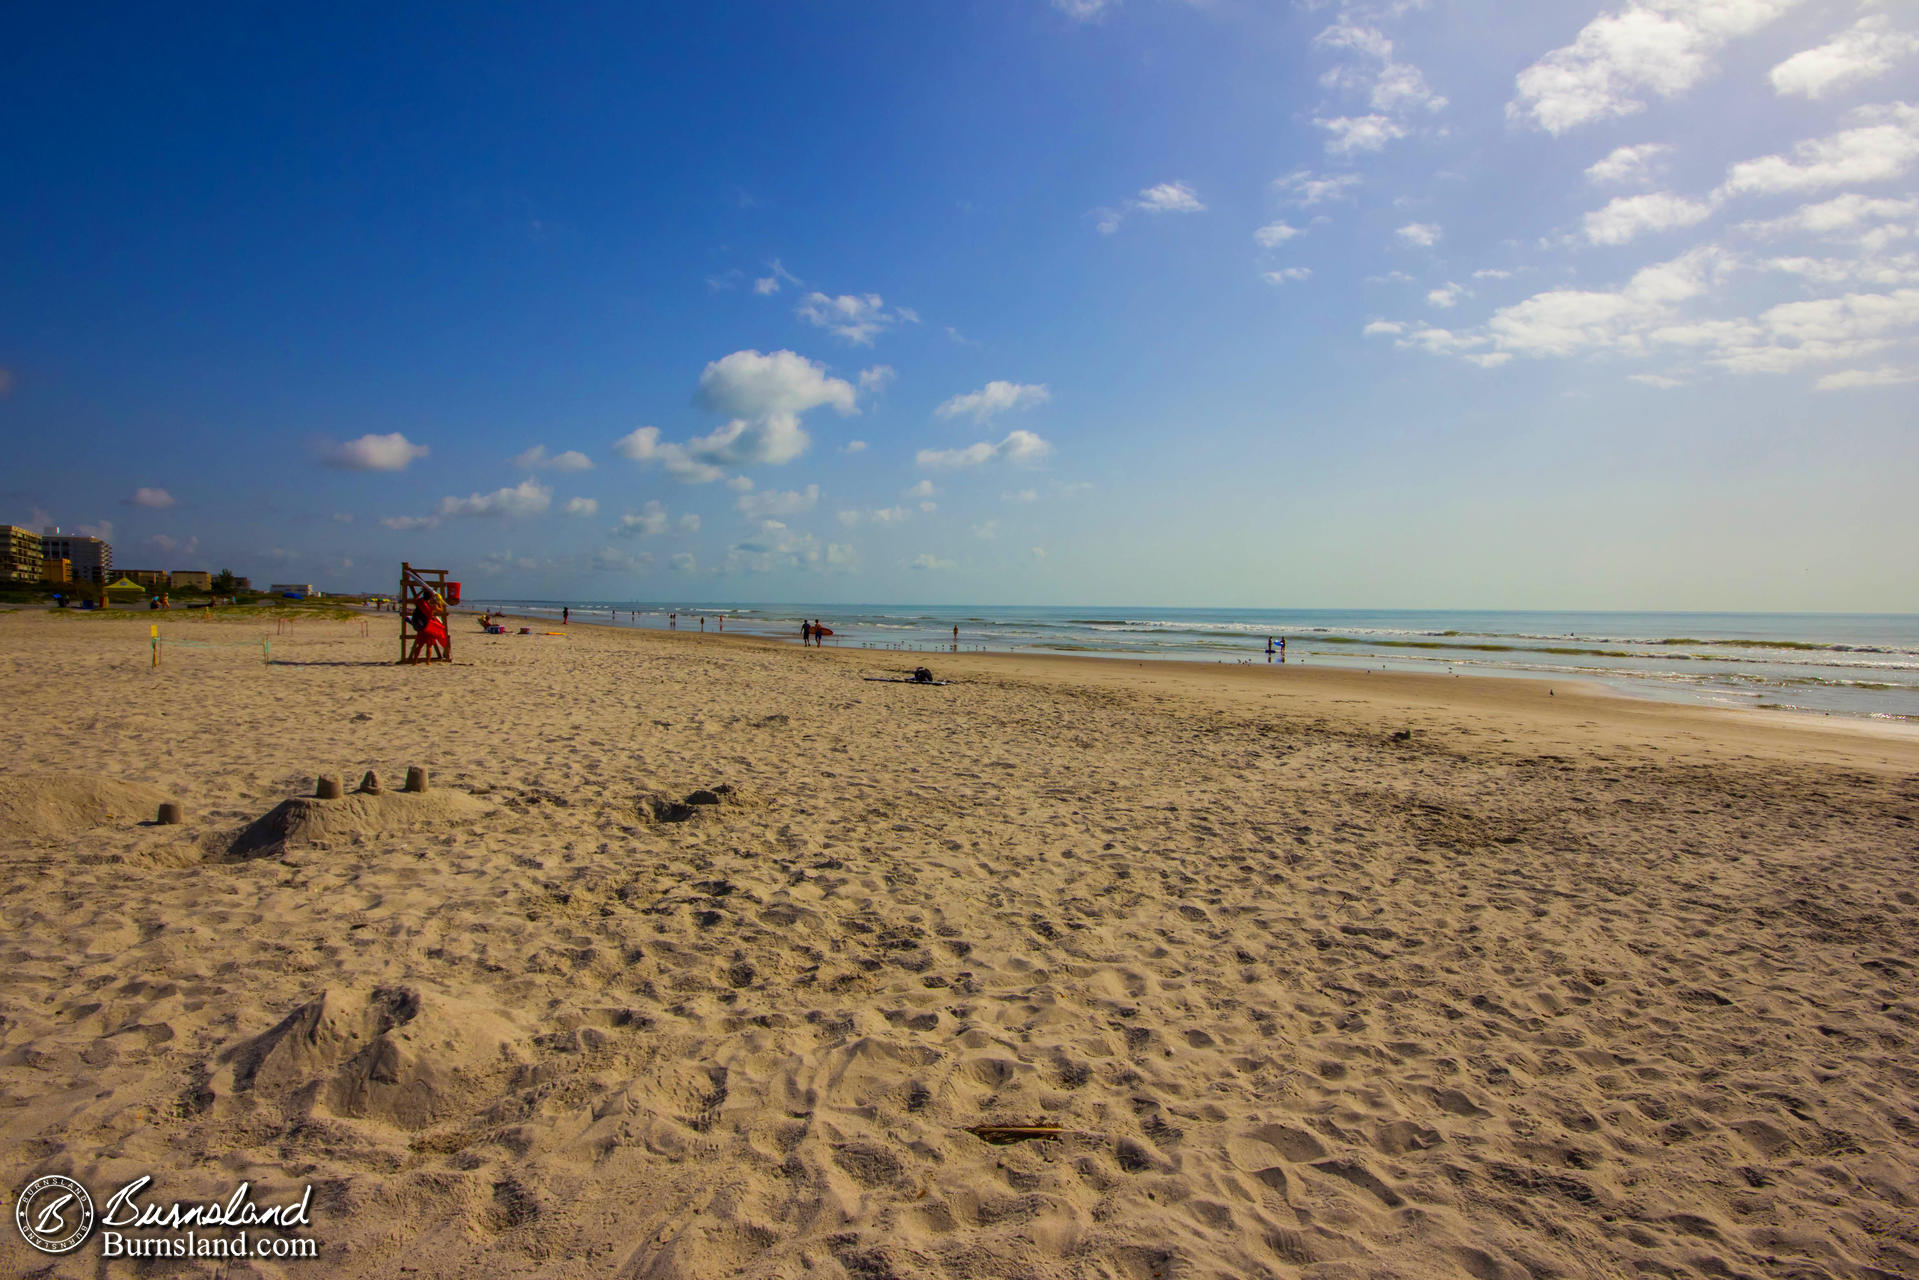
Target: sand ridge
{"type": "Point", "coordinates": [1579, 988]}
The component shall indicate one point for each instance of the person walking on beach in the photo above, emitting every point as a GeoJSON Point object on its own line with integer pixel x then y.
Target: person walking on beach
{"type": "Point", "coordinates": [566, 615]}
{"type": "Point", "coordinates": [806, 632]}
{"type": "Point", "coordinates": [702, 624]}
{"type": "Point", "coordinates": [956, 637]}
{"type": "Point", "coordinates": [1282, 650]}
{"type": "Point", "coordinates": [1269, 651]}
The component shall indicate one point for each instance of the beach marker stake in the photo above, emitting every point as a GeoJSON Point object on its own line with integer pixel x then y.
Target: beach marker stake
{"type": "Point", "coordinates": [154, 633]}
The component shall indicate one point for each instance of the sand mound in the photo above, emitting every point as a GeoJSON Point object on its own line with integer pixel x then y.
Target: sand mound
{"type": "Point", "coordinates": [701, 802]}
{"type": "Point", "coordinates": [394, 1055]}
{"type": "Point", "coordinates": [305, 822]}
{"type": "Point", "coordinates": [50, 806]}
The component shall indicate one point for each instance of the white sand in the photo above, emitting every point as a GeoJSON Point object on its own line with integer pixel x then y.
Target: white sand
{"type": "Point", "coordinates": [1565, 985]}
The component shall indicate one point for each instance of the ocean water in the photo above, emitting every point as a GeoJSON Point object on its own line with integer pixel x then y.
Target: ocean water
{"type": "Point", "coordinates": [1837, 664]}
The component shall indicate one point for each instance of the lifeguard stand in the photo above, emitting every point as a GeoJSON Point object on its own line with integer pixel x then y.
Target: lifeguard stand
{"type": "Point", "coordinates": [417, 585]}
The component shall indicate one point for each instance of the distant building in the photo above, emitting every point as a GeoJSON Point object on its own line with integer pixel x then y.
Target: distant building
{"type": "Point", "coordinates": [92, 558]}
{"type": "Point", "coordinates": [57, 571]}
{"type": "Point", "coordinates": [190, 579]}
{"type": "Point", "coordinates": [20, 555]}
{"type": "Point", "coordinates": [145, 577]}
{"type": "Point", "coordinates": [297, 588]}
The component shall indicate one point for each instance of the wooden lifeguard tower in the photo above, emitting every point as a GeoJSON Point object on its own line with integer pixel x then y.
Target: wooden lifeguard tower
{"type": "Point", "coordinates": [417, 585]}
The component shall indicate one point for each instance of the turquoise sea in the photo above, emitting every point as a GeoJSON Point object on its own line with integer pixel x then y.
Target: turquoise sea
{"type": "Point", "coordinates": [1842, 664]}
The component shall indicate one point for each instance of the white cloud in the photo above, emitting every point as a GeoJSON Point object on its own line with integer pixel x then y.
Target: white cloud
{"type": "Point", "coordinates": [1306, 188]}
{"type": "Point", "coordinates": [1850, 379]}
{"type": "Point", "coordinates": [689, 523]}
{"type": "Point", "coordinates": [1164, 197]}
{"type": "Point", "coordinates": [649, 521]}
{"type": "Point", "coordinates": [643, 444]}
{"type": "Point", "coordinates": [1377, 328]}
{"type": "Point", "coordinates": [1660, 380]}
{"type": "Point", "coordinates": [1084, 10]}
{"type": "Point", "coordinates": [1838, 215]}
{"type": "Point", "coordinates": [1020, 495]}
{"type": "Point", "coordinates": [342, 517]}
{"type": "Point", "coordinates": [1865, 270]}
{"type": "Point", "coordinates": [684, 562]}
{"type": "Point", "coordinates": [1388, 84]}
{"type": "Point", "coordinates": [1286, 275]}
{"type": "Point", "coordinates": [740, 484]}
{"type": "Point", "coordinates": [1630, 165]}
{"type": "Point", "coordinates": [1274, 234]}
{"type": "Point", "coordinates": [926, 560]}
{"type": "Point", "coordinates": [537, 459]}
{"type": "Point", "coordinates": [876, 379]}
{"type": "Point", "coordinates": [770, 391]}
{"type": "Point", "coordinates": [859, 318]}
{"type": "Point", "coordinates": [1445, 296]}
{"type": "Point", "coordinates": [376, 453]}
{"type": "Point", "coordinates": [776, 503]}
{"type": "Point", "coordinates": [1649, 48]}
{"type": "Point", "coordinates": [1869, 49]}
{"type": "Point", "coordinates": [1562, 322]}
{"type": "Point", "coordinates": [581, 507]}
{"type": "Point", "coordinates": [1624, 218]}
{"type": "Point", "coordinates": [768, 285]}
{"type": "Point", "coordinates": [1492, 273]}
{"type": "Point", "coordinates": [924, 489]}
{"type": "Point", "coordinates": [1169, 197]}
{"type": "Point", "coordinates": [406, 524]}
{"type": "Point", "coordinates": [152, 499]}
{"type": "Point", "coordinates": [853, 446]}
{"type": "Point", "coordinates": [986, 529]}
{"type": "Point", "coordinates": [1423, 234]}
{"type": "Point", "coordinates": [1359, 133]}
{"type": "Point", "coordinates": [994, 398]}
{"type": "Point", "coordinates": [1018, 447]}
{"type": "Point", "coordinates": [528, 498]}
{"type": "Point", "coordinates": [1882, 144]}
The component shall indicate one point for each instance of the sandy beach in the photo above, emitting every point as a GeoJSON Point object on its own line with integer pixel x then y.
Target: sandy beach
{"type": "Point", "coordinates": [704, 956]}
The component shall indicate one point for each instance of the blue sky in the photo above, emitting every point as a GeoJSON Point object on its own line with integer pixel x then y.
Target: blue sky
{"type": "Point", "coordinates": [1407, 304]}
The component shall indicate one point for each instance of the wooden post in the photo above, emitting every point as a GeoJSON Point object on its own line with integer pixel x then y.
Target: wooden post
{"type": "Point", "coordinates": [153, 633]}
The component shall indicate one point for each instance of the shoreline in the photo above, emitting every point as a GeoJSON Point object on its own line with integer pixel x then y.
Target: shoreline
{"type": "Point", "coordinates": [1422, 688]}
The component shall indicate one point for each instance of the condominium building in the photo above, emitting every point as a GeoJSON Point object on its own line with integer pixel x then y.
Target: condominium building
{"type": "Point", "coordinates": [145, 577]}
{"type": "Point", "coordinates": [197, 579]}
{"type": "Point", "coordinates": [20, 555]}
{"type": "Point", "coordinates": [57, 571]}
{"type": "Point", "coordinates": [92, 557]}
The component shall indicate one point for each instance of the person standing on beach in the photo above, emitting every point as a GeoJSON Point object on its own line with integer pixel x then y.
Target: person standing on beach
{"type": "Point", "coordinates": [806, 632]}
{"type": "Point", "coordinates": [1269, 651]}
{"type": "Point", "coordinates": [1282, 650]}
{"type": "Point", "coordinates": [956, 637]}
{"type": "Point", "coordinates": [702, 624]}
